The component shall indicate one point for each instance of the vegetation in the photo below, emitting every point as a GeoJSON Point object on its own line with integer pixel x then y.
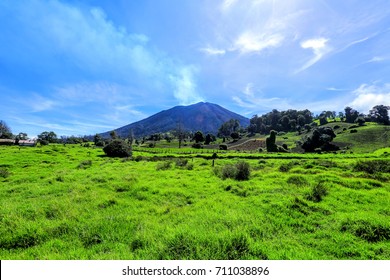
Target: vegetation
{"type": "Point", "coordinates": [118, 148]}
{"type": "Point", "coordinates": [156, 199]}
{"type": "Point", "coordinates": [73, 202]}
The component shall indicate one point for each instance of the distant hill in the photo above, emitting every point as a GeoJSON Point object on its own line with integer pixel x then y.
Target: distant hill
{"type": "Point", "coordinates": [203, 116]}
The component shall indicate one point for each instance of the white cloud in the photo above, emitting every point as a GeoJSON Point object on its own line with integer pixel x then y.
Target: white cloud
{"type": "Point", "coordinates": [377, 59]}
{"type": "Point", "coordinates": [213, 51]}
{"type": "Point", "coordinates": [94, 46]}
{"type": "Point", "coordinates": [368, 96]}
{"type": "Point", "coordinates": [250, 42]}
{"type": "Point", "coordinates": [319, 47]}
{"type": "Point", "coordinates": [184, 86]}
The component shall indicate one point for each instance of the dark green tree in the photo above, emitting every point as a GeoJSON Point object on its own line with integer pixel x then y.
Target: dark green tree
{"type": "Point", "coordinates": [350, 115]}
{"type": "Point", "coordinates": [49, 137]}
{"type": "Point", "coordinates": [198, 137]}
{"type": "Point", "coordinates": [380, 114]}
{"type": "Point", "coordinates": [271, 142]}
{"type": "Point", "coordinates": [118, 148]}
{"type": "Point", "coordinates": [5, 131]}
{"type": "Point", "coordinates": [320, 138]}
{"type": "Point", "coordinates": [228, 128]}
{"type": "Point", "coordinates": [98, 140]}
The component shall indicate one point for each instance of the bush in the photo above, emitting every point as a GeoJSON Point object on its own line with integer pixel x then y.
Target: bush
{"type": "Point", "coordinates": [165, 165]}
{"type": "Point", "coordinates": [197, 146]}
{"type": "Point", "coordinates": [285, 167]}
{"type": "Point", "coordinates": [85, 164]}
{"type": "Point", "coordinates": [373, 166]}
{"type": "Point", "coordinates": [43, 142]}
{"type": "Point", "coordinates": [320, 138]}
{"type": "Point", "coordinates": [223, 147]}
{"type": "Point", "coordinates": [239, 171]}
{"type": "Point", "coordinates": [243, 171]}
{"type": "Point", "coordinates": [228, 171]}
{"type": "Point", "coordinates": [270, 142]}
{"type": "Point", "coordinates": [118, 148]}
{"type": "Point", "coordinates": [181, 162]}
{"type": "Point", "coordinates": [367, 230]}
{"type": "Point", "coordinates": [353, 131]}
{"type": "Point", "coordinates": [297, 180]}
{"type": "Point", "coordinates": [4, 173]}
{"type": "Point", "coordinates": [318, 192]}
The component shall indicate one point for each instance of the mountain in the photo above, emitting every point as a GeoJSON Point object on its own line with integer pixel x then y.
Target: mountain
{"type": "Point", "coordinates": [203, 116]}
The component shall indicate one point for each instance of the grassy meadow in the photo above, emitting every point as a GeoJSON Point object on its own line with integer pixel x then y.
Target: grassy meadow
{"type": "Point", "coordinates": [72, 202]}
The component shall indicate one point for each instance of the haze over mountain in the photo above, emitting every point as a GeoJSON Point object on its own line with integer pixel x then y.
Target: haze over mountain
{"type": "Point", "coordinates": [203, 116]}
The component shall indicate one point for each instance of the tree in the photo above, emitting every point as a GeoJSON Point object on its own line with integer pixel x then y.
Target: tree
{"type": "Point", "coordinates": [49, 137]}
{"type": "Point", "coordinates": [323, 120]}
{"type": "Point", "coordinates": [209, 138]}
{"type": "Point", "coordinates": [20, 136]}
{"type": "Point", "coordinates": [98, 140]}
{"type": "Point", "coordinates": [235, 135]}
{"type": "Point", "coordinates": [5, 131]}
{"type": "Point", "coordinates": [113, 135]}
{"type": "Point", "coordinates": [360, 120]}
{"type": "Point", "coordinates": [380, 114]}
{"type": "Point", "coordinates": [285, 122]}
{"type": "Point", "coordinates": [301, 120]}
{"type": "Point", "coordinates": [271, 142]}
{"type": "Point", "coordinates": [118, 148]}
{"type": "Point", "coordinates": [350, 115]}
{"type": "Point", "coordinates": [179, 133]}
{"type": "Point", "coordinates": [229, 127]}
{"type": "Point", "coordinates": [198, 137]}
{"type": "Point", "coordinates": [320, 138]}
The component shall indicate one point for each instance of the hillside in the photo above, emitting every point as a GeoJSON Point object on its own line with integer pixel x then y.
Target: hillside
{"type": "Point", "coordinates": [366, 139]}
{"type": "Point", "coordinates": [203, 116]}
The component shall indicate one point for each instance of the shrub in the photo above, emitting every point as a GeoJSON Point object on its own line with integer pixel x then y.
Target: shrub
{"type": "Point", "coordinates": [320, 138]}
{"type": "Point", "coordinates": [353, 131]}
{"type": "Point", "coordinates": [318, 192]}
{"type": "Point", "coordinates": [285, 167]}
{"type": "Point", "coordinates": [181, 162]}
{"type": "Point", "coordinates": [297, 180]}
{"type": "Point", "coordinates": [223, 147]}
{"type": "Point", "coordinates": [239, 171]}
{"type": "Point", "coordinates": [367, 230]}
{"type": "Point", "coordinates": [197, 146]}
{"type": "Point", "coordinates": [243, 171]}
{"type": "Point", "coordinates": [4, 173]}
{"type": "Point", "coordinates": [85, 164]}
{"type": "Point", "coordinates": [336, 127]}
{"type": "Point", "coordinates": [118, 148]}
{"type": "Point", "coordinates": [165, 165]}
{"type": "Point", "coordinates": [270, 142]}
{"type": "Point", "coordinates": [43, 142]}
{"type": "Point", "coordinates": [372, 166]}
{"type": "Point", "coordinates": [228, 171]}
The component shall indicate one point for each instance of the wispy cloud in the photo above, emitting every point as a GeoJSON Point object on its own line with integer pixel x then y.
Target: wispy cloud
{"type": "Point", "coordinates": [319, 48]}
{"type": "Point", "coordinates": [212, 51]}
{"type": "Point", "coordinates": [249, 42]}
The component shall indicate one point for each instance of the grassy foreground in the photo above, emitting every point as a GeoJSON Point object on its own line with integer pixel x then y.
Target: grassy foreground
{"type": "Point", "coordinates": [73, 203]}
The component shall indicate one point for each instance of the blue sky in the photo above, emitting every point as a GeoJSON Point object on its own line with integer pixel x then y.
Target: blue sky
{"type": "Point", "coordinates": [82, 67]}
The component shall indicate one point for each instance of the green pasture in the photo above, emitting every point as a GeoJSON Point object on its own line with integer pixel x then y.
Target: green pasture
{"type": "Point", "coordinates": [72, 202]}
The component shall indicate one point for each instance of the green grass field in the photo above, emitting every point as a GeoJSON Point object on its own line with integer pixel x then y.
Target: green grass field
{"type": "Point", "coordinates": [72, 202]}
